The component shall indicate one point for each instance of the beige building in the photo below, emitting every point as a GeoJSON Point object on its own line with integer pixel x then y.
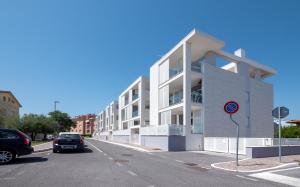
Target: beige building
{"type": "Point", "coordinates": [9, 105]}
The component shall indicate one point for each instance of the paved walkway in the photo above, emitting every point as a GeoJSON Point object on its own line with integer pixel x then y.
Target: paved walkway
{"type": "Point", "coordinates": [259, 164]}
{"type": "Point", "coordinates": [43, 147]}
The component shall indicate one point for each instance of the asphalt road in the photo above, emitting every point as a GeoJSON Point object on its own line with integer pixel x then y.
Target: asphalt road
{"type": "Point", "coordinates": [105, 164]}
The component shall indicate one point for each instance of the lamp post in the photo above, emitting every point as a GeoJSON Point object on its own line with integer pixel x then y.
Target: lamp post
{"type": "Point", "coordinates": [55, 102]}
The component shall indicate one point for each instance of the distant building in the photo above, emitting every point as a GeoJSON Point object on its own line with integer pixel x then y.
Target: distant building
{"type": "Point", "coordinates": [9, 105]}
{"type": "Point", "coordinates": [296, 122]}
{"type": "Point", "coordinates": [85, 124]}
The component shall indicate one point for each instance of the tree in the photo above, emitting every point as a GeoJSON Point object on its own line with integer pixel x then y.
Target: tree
{"type": "Point", "coordinates": [289, 132]}
{"type": "Point", "coordinates": [30, 124]}
{"type": "Point", "coordinates": [63, 119]}
{"type": "Point", "coordinates": [48, 126]}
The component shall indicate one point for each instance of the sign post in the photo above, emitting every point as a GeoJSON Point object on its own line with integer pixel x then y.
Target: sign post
{"type": "Point", "coordinates": [279, 113]}
{"type": "Point", "coordinates": [231, 107]}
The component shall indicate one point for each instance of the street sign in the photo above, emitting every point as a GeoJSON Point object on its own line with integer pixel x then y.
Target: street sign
{"type": "Point", "coordinates": [280, 112]}
{"type": "Point", "coordinates": [284, 112]}
{"type": "Point", "coordinates": [231, 107]}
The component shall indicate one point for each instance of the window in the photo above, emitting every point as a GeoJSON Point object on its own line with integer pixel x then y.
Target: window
{"type": "Point", "coordinates": [8, 135]}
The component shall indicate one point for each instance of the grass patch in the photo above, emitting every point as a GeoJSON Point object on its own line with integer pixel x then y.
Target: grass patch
{"type": "Point", "coordinates": [37, 142]}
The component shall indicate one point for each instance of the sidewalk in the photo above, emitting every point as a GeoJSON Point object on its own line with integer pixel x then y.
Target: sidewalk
{"type": "Point", "coordinates": [43, 147]}
{"type": "Point", "coordinates": [259, 164]}
{"type": "Point", "coordinates": [132, 146]}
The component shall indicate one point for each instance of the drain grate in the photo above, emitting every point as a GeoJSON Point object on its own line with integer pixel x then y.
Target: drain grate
{"type": "Point", "coordinates": [190, 164]}
{"type": "Point", "coordinates": [126, 154]}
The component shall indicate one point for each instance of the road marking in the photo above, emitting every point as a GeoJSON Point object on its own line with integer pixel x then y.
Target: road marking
{"type": "Point", "coordinates": [119, 164]}
{"type": "Point", "coordinates": [105, 154]}
{"type": "Point", "coordinates": [8, 178]}
{"type": "Point", "coordinates": [132, 173]}
{"type": "Point", "coordinates": [96, 147]}
{"type": "Point", "coordinates": [150, 153]}
{"type": "Point", "coordinates": [248, 178]}
{"type": "Point", "coordinates": [110, 158]}
{"type": "Point", "coordinates": [179, 161]}
{"type": "Point", "coordinates": [205, 167]}
{"type": "Point", "coordinates": [292, 181]}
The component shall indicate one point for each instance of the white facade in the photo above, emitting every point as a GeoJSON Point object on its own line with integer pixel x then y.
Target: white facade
{"type": "Point", "coordinates": [134, 109]}
{"type": "Point", "coordinates": [188, 87]}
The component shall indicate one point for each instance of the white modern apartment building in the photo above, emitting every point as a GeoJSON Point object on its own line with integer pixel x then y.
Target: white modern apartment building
{"type": "Point", "coordinates": [107, 121]}
{"type": "Point", "coordinates": [188, 90]}
{"type": "Point", "coordinates": [133, 111]}
{"type": "Point", "coordinates": [189, 85]}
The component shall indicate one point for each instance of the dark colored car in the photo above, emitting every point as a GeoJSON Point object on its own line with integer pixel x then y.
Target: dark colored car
{"type": "Point", "coordinates": [13, 143]}
{"type": "Point", "coordinates": [68, 141]}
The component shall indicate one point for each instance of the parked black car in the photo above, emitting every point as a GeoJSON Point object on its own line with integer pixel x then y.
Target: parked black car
{"type": "Point", "coordinates": [13, 143]}
{"type": "Point", "coordinates": [68, 141]}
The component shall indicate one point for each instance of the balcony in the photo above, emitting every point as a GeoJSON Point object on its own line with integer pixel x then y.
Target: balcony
{"type": "Point", "coordinates": [135, 113]}
{"type": "Point", "coordinates": [175, 71]}
{"type": "Point", "coordinates": [126, 101]}
{"type": "Point", "coordinates": [196, 96]}
{"type": "Point", "coordinates": [135, 96]}
{"type": "Point", "coordinates": [196, 66]}
{"type": "Point", "coordinates": [175, 98]}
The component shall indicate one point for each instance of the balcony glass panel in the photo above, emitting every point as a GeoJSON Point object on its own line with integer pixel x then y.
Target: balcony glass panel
{"type": "Point", "coordinates": [175, 71]}
{"type": "Point", "coordinates": [135, 96]}
{"type": "Point", "coordinates": [175, 98]}
{"type": "Point", "coordinates": [135, 113]}
{"type": "Point", "coordinates": [196, 96]}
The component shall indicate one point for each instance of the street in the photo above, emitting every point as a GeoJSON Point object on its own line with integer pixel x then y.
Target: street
{"type": "Point", "coordinates": [104, 164]}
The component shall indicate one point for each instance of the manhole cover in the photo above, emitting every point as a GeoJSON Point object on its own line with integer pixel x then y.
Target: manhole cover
{"type": "Point", "coordinates": [190, 164]}
{"type": "Point", "coordinates": [120, 160]}
{"type": "Point", "coordinates": [126, 154]}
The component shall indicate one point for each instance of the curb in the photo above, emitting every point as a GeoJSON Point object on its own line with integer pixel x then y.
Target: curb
{"type": "Point", "coordinates": [42, 150]}
{"type": "Point", "coordinates": [291, 164]}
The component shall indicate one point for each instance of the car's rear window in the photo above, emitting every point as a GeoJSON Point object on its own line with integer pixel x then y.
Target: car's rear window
{"type": "Point", "coordinates": [69, 136]}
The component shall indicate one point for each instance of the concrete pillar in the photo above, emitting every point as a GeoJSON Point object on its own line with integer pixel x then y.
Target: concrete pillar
{"type": "Point", "coordinates": [187, 61]}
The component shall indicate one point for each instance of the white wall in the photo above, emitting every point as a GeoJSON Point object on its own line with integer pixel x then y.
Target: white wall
{"type": "Point", "coordinates": [154, 82]}
{"type": "Point", "coordinates": [220, 86]}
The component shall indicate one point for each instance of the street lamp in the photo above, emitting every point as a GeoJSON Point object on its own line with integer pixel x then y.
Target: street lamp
{"type": "Point", "coordinates": [55, 102]}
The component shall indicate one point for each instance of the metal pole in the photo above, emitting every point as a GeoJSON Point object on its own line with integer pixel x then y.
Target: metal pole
{"type": "Point", "coordinates": [237, 140]}
{"type": "Point", "coordinates": [279, 134]}
{"type": "Point", "coordinates": [237, 144]}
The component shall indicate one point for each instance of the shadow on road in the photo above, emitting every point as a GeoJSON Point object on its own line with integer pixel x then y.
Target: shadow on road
{"type": "Point", "coordinates": [23, 160]}
{"type": "Point", "coordinates": [86, 150]}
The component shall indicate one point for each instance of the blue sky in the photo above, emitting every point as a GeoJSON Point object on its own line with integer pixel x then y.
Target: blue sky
{"type": "Point", "coordinates": [84, 53]}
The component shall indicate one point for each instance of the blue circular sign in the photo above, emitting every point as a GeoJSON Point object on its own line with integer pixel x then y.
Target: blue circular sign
{"type": "Point", "coordinates": [231, 107]}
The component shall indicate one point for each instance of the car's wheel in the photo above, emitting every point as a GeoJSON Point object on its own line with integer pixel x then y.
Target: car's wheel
{"type": "Point", "coordinates": [54, 150]}
{"type": "Point", "coordinates": [6, 156]}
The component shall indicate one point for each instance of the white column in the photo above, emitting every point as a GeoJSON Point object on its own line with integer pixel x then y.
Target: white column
{"type": "Point", "coordinates": [187, 60]}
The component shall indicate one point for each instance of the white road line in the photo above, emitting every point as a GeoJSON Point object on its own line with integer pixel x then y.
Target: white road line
{"type": "Point", "coordinates": [8, 178]}
{"type": "Point", "coordinates": [292, 181]}
{"type": "Point", "coordinates": [110, 158]}
{"type": "Point", "coordinates": [96, 147]}
{"type": "Point", "coordinates": [179, 161]}
{"type": "Point", "coordinates": [286, 169]}
{"type": "Point", "coordinates": [205, 167]}
{"type": "Point", "coordinates": [150, 153]}
{"type": "Point", "coordinates": [132, 173]}
{"type": "Point", "coordinates": [119, 164]}
{"type": "Point", "coordinates": [105, 154]}
{"type": "Point", "coordinates": [248, 178]}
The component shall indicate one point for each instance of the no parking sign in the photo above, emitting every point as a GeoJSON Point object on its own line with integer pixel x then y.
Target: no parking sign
{"type": "Point", "coordinates": [231, 107]}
